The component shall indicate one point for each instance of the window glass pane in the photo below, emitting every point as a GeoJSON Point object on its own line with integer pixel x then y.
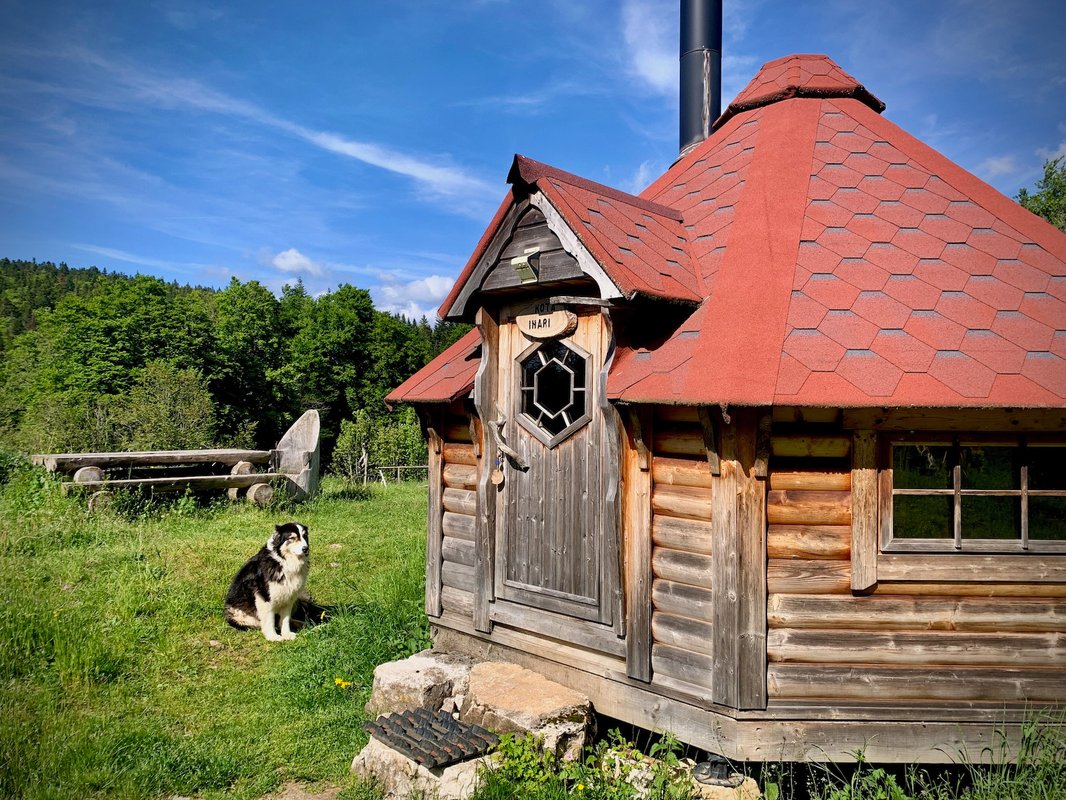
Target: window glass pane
{"type": "Point", "coordinates": [916, 517]}
{"type": "Point", "coordinates": [1047, 467]}
{"type": "Point", "coordinates": [989, 467]}
{"type": "Point", "coordinates": [1047, 518]}
{"type": "Point", "coordinates": [921, 466]}
{"type": "Point", "coordinates": [991, 517]}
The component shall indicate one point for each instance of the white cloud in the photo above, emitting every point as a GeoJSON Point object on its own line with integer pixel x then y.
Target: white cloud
{"type": "Point", "coordinates": [414, 299]}
{"type": "Point", "coordinates": [997, 166]}
{"type": "Point", "coordinates": [1049, 154]}
{"type": "Point", "coordinates": [642, 178]}
{"type": "Point", "coordinates": [292, 260]}
{"type": "Point", "coordinates": [650, 31]}
{"type": "Point", "coordinates": [131, 258]}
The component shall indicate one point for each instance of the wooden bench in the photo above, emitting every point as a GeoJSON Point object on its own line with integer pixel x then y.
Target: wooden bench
{"type": "Point", "coordinates": [293, 465]}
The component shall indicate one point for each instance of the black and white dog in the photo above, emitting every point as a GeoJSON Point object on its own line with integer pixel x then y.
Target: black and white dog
{"type": "Point", "coordinates": [270, 584]}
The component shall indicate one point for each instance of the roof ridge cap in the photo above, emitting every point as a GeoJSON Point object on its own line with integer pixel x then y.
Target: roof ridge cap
{"type": "Point", "coordinates": [529, 171]}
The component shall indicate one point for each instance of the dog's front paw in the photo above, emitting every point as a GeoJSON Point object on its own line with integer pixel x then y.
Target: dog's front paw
{"type": "Point", "coordinates": [288, 637]}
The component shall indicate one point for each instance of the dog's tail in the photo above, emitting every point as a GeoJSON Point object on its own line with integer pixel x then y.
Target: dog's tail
{"type": "Point", "coordinates": [241, 620]}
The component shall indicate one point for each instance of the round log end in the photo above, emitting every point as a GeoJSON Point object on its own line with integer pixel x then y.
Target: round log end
{"type": "Point", "coordinates": [242, 468]}
{"type": "Point", "coordinates": [88, 475]}
{"type": "Point", "coordinates": [233, 493]}
{"type": "Point", "coordinates": [100, 501]}
{"type": "Point", "coordinates": [261, 494]}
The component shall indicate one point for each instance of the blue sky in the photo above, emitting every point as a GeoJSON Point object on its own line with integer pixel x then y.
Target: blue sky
{"type": "Point", "coordinates": [368, 142]}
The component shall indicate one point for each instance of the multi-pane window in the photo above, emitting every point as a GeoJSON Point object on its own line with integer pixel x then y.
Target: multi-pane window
{"type": "Point", "coordinates": [553, 391]}
{"type": "Point", "coordinates": [969, 494]}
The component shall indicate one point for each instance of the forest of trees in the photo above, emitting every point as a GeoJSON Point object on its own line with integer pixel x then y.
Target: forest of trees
{"type": "Point", "coordinates": [92, 360]}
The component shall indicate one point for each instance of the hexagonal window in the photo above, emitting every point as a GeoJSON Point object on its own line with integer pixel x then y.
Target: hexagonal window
{"type": "Point", "coordinates": [553, 390]}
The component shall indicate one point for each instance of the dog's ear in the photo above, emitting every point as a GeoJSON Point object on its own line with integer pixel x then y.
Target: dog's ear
{"type": "Point", "coordinates": [274, 540]}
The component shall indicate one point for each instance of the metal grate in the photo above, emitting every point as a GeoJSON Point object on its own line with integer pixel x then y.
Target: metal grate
{"type": "Point", "coordinates": [431, 738]}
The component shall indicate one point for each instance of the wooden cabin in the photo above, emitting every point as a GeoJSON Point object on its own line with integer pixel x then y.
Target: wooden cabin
{"type": "Point", "coordinates": [769, 455]}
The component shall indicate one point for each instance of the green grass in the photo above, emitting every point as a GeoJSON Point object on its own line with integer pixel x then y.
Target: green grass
{"type": "Point", "coordinates": [118, 677]}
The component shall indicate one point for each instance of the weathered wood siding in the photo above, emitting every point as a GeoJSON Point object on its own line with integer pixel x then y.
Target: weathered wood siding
{"type": "Point", "coordinates": [681, 566]}
{"type": "Point", "coordinates": [531, 230]}
{"type": "Point", "coordinates": [964, 640]}
{"type": "Point", "coordinates": [458, 507]}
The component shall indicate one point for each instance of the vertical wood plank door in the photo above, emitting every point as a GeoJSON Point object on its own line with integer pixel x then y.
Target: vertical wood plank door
{"type": "Point", "coordinates": [552, 523]}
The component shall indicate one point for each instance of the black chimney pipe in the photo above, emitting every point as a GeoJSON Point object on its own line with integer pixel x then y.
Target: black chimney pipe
{"type": "Point", "coordinates": [701, 69]}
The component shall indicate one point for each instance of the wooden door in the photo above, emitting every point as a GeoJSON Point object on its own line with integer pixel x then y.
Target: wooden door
{"type": "Point", "coordinates": [553, 545]}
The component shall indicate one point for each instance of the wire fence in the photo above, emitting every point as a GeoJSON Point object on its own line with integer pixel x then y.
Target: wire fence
{"type": "Point", "coordinates": [395, 473]}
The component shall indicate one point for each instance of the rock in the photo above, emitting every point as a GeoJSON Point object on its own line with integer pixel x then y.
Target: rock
{"type": "Point", "coordinates": [509, 699]}
{"type": "Point", "coordinates": [214, 644]}
{"type": "Point", "coordinates": [747, 790]}
{"type": "Point", "coordinates": [400, 777]}
{"type": "Point", "coordinates": [425, 680]}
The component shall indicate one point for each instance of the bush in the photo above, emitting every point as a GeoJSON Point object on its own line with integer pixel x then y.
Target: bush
{"type": "Point", "coordinates": [386, 441]}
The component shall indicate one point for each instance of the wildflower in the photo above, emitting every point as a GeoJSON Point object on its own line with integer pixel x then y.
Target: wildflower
{"type": "Point", "coordinates": [343, 684]}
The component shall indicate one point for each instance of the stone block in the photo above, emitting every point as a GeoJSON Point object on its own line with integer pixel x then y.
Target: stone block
{"type": "Point", "coordinates": [425, 680]}
{"type": "Point", "coordinates": [507, 698]}
{"type": "Point", "coordinates": [400, 777]}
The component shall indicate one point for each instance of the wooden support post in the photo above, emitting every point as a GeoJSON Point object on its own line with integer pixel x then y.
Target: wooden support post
{"type": "Point", "coordinates": [710, 440]}
{"type": "Point", "coordinates": [725, 571]}
{"type": "Point", "coordinates": [434, 530]}
{"type": "Point", "coordinates": [863, 511]}
{"type": "Point", "coordinates": [637, 537]}
{"type": "Point", "coordinates": [485, 392]}
{"type": "Point", "coordinates": [753, 432]}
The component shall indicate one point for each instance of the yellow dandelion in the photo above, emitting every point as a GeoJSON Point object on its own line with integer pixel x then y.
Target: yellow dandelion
{"type": "Point", "coordinates": [343, 684]}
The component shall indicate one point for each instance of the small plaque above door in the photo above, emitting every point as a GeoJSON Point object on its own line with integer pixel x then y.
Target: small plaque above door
{"type": "Point", "coordinates": [541, 322]}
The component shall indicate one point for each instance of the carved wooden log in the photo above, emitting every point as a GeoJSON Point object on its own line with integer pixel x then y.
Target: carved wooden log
{"type": "Point", "coordinates": [680, 441]}
{"type": "Point", "coordinates": [968, 614]}
{"type": "Point", "coordinates": [681, 471]}
{"type": "Point", "coordinates": [298, 454]}
{"type": "Point", "coordinates": [457, 601]}
{"type": "Point", "coordinates": [811, 481]}
{"type": "Point", "coordinates": [976, 589]}
{"type": "Point", "coordinates": [88, 475]}
{"type": "Point", "coordinates": [917, 647]}
{"type": "Point", "coordinates": [233, 493]}
{"type": "Point", "coordinates": [797, 576]}
{"type": "Point", "coordinates": [808, 541]}
{"type": "Point", "coordinates": [681, 567]}
{"type": "Point", "coordinates": [682, 599]}
{"type": "Point", "coordinates": [687, 502]}
{"type": "Point", "coordinates": [682, 632]}
{"type": "Point", "coordinates": [808, 508]}
{"type": "Point", "coordinates": [458, 551]}
{"type": "Point", "coordinates": [260, 494]}
{"type": "Point", "coordinates": [457, 576]}
{"type": "Point", "coordinates": [70, 462]}
{"type": "Point", "coordinates": [811, 446]}
{"type": "Point", "coordinates": [959, 684]}
{"type": "Point", "coordinates": [458, 526]}
{"type": "Point", "coordinates": [461, 501]}
{"type": "Point", "coordinates": [690, 535]}
{"type": "Point", "coordinates": [459, 454]}
{"type": "Point", "coordinates": [683, 665]}
{"type": "Point", "coordinates": [456, 430]}
{"type": "Point", "coordinates": [242, 468]}
{"type": "Point", "coordinates": [460, 476]}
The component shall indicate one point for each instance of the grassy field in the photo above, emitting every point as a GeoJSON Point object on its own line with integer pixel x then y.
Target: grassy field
{"type": "Point", "coordinates": [118, 677]}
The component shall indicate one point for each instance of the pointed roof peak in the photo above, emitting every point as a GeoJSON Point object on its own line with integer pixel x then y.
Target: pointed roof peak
{"type": "Point", "coordinates": [799, 75]}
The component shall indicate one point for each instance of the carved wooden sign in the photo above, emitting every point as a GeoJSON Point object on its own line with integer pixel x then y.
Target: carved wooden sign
{"type": "Point", "coordinates": [541, 322]}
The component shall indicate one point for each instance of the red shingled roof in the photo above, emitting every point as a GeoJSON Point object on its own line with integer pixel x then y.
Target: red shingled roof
{"type": "Point", "coordinates": [447, 377]}
{"type": "Point", "coordinates": [838, 259]}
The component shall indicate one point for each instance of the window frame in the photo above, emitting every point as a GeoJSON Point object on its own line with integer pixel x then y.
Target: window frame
{"type": "Point", "coordinates": [889, 545]}
{"type": "Point", "coordinates": [542, 435]}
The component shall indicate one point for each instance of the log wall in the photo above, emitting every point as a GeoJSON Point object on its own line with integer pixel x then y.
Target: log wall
{"type": "Point", "coordinates": [459, 475]}
{"type": "Point", "coordinates": [681, 566]}
{"type": "Point", "coordinates": [904, 641]}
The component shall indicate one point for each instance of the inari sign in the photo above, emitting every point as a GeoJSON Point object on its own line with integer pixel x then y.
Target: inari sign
{"type": "Point", "coordinates": [540, 322]}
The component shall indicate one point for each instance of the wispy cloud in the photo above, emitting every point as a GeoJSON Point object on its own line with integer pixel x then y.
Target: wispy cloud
{"type": "Point", "coordinates": [1050, 153]}
{"type": "Point", "coordinates": [128, 83]}
{"type": "Point", "coordinates": [998, 166]}
{"type": "Point", "coordinates": [142, 261]}
{"type": "Point", "coordinates": [651, 39]}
